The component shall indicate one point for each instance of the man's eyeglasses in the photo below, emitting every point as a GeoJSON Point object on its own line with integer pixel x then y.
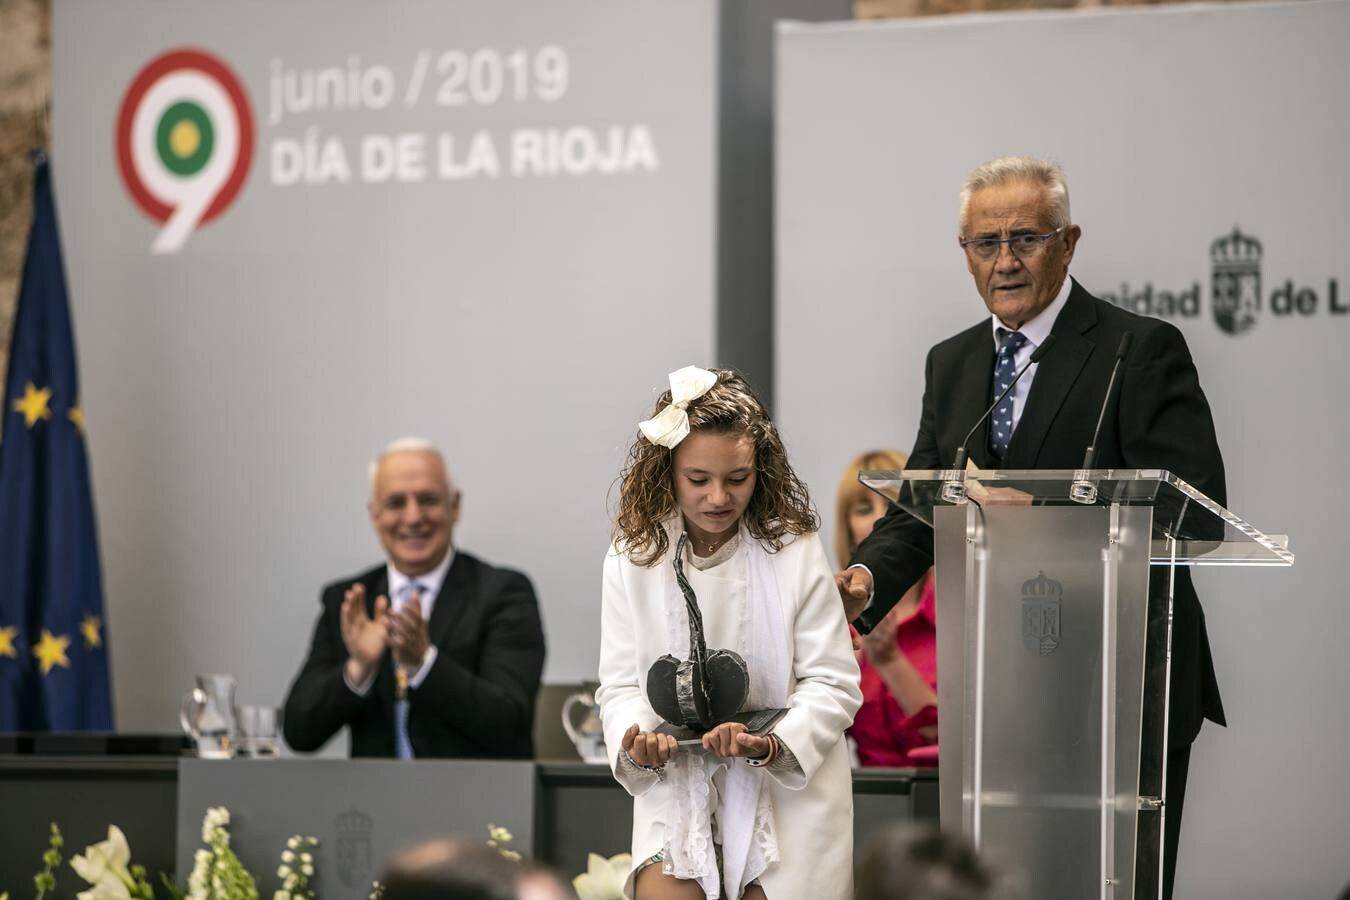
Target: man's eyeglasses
{"type": "Point", "coordinates": [424, 499]}
{"type": "Point", "coordinates": [1023, 246]}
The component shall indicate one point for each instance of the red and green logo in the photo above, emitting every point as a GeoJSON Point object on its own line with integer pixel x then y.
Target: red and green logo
{"type": "Point", "coordinates": [184, 142]}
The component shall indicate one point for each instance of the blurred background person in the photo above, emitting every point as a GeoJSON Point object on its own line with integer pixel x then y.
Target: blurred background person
{"type": "Point", "coordinates": [908, 862]}
{"type": "Point", "coordinates": [455, 869]}
{"type": "Point", "coordinates": [432, 653]}
{"type": "Point", "coordinates": [897, 725]}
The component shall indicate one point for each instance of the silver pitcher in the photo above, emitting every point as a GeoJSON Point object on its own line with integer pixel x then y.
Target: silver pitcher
{"type": "Point", "coordinates": [581, 721]}
{"type": "Point", "coordinates": [208, 716]}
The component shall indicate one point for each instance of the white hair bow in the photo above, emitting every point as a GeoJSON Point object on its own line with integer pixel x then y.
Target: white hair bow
{"type": "Point", "coordinates": [671, 425]}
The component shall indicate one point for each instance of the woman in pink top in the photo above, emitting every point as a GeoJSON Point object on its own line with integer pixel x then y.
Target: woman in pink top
{"type": "Point", "coordinates": [897, 725]}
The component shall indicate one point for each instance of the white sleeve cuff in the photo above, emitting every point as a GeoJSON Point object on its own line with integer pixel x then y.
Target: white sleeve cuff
{"type": "Point", "coordinates": [871, 596]}
{"type": "Point", "coordinates": [415, 681]}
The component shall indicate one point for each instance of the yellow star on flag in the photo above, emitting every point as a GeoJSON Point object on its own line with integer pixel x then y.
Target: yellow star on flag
{"type": "Point", "coordinates": [33, 404]}
{"type": "Point", "coordinates": [51, 651]}
{"type": "Point", "coordinates": [90, 629]}
{"type": "Point", "coordinates": [76, 415]}
{"type": "Point", "coordinates": [7, 641]}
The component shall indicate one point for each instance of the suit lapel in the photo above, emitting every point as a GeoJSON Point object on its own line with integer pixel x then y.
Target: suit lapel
{"type": "Point", "coordinates": [450, 602]}
{"type": "Point", "coordinates": [971, 395]}
{"type": "Point", "coordinates": [1055, 376]}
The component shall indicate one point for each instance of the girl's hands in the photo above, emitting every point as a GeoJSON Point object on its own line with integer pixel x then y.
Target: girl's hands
{"type": "Point", "coordinates": [648, 748]}
{"type": "Point", "coordinates": [731, 739]}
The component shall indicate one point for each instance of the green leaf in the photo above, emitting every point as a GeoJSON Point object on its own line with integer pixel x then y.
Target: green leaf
{"type": "Point", "coordinates": [175, 892]}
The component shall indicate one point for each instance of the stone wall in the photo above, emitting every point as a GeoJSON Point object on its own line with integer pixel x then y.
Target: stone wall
{"type": "Point", "coordinates": [25, 89]}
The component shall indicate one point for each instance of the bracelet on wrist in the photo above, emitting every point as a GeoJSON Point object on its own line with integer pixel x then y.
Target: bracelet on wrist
{"type": "Point", "coordinates": [657, 768]}
{"type": "Point", "coordinates": [768, 757]}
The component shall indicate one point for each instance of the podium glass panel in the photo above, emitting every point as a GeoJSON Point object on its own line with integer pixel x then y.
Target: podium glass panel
{"type": "Point", "coordinates": [1053, 660]}
{"type": "Point", "coordinates": [1203, 531]}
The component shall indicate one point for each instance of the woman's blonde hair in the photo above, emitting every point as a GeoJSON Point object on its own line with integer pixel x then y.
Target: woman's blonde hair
{"type": "Point", "coordinates": [849, 491]}
{"type": "Point", "coordinates": [779, 505]}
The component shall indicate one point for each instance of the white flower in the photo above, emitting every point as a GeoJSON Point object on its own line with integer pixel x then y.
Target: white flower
{"type": "Point", "coordinates": [281, 895]}
{"type": "Point", "coordinates": [306, 857]}
{"type": "Point", "coordinates": [287, 856]}
{"type": "Point", "coordinates": [307, 870]}
{"type": "Point", "coordinates": [294, 842]}
{"type": "Point", "coordinates": [283, 871]}
{"type": "Point", "coordinates": [104, 866]}
{"type": "Point", "coordinates": [604, 878]}
{"type": "Point", "coordinates": [109, 887]}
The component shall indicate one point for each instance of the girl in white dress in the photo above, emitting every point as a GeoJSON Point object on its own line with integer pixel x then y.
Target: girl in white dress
{"type": "Point", "coordinates": [716, 546]}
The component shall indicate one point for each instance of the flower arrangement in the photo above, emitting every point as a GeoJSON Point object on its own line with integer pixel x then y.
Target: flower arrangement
{"type": "Point", "coordinates": [108, 869]}
{"type": "Point", "coordinates": [604, 878]}
{"type": "Point", "coordinates": [296, 869]}
{"type": "Point", "coordinates": [218, 873]}
{"type": "Point", "coordinates": [498, 838]}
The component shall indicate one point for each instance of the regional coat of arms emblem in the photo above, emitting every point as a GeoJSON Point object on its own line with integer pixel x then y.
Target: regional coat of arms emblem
{"type": "Point", "coordinates": [1040, 614]}
{"type": "Point", "coordinates": [1235, 281]}
{"type": "Point", "coordinates": [353, 848]}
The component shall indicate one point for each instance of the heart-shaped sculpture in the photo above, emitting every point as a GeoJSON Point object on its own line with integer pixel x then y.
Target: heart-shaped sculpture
{"type": "Point", "coordinates": [711, 697]}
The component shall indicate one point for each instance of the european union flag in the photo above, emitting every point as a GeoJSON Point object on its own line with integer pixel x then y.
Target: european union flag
{"type": "Point", "coordinates": [53, 644]}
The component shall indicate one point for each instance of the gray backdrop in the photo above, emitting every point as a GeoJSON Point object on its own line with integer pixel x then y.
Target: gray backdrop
{"type": "Point", "coordinates": [1174, 125]}
{"type": "Point", "coordinates": [236, 389]}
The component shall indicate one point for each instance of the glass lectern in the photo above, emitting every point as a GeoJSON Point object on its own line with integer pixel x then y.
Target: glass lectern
{"type": "Point", "coordinates": [1054, 659]}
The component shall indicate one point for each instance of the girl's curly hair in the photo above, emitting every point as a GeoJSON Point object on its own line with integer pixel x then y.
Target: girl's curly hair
{"type": "Point", "coordinates": [779, 505]}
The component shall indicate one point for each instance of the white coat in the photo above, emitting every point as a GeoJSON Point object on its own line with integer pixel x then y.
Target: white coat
{"type": "Point", "coordinates": [813, 806]}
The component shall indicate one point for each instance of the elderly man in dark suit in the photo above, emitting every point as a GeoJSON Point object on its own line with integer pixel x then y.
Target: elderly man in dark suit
{"type": "Point", "coordinates": [1018, 241]}
{"type": "Point", "coordinates": [433, 653]}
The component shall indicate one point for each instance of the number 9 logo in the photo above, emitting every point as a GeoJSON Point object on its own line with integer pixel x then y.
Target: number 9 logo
{"type": "Point", "coordinates": [184, 142]}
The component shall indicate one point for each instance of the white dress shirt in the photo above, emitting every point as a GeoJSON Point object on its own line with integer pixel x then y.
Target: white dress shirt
{"type": "Point", "coordinates": [1035, 331]}
{"type": "Point", "coordinates": [398, 593]}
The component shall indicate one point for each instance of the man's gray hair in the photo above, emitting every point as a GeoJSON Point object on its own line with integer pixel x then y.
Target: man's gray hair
{"type": "Point", "coordinates": [1020, 168]}
{"type": "Point", "coordinates": [407, 445]}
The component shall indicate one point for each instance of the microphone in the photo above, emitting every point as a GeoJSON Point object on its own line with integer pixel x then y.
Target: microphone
{"type": "Point", "coordinates": [1082, 490]}
{"type": "Point", "coordinates": [953, 489]}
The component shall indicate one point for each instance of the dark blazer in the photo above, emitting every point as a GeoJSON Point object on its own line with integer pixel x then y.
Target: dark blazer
{"type": "Point", "coordinates": [477, 700]}
{"type": "Point", "coordinates": [1159, 419]}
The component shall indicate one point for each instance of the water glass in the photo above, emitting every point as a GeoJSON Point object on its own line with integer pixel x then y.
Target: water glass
{"type": "Point", "coordinates": [258, 730]}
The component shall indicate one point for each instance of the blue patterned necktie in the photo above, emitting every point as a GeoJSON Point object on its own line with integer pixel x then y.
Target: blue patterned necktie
{"type": "Point", "coordinates": [1001, 426]}
{"type": "Point", "coordinates": [412, 593]}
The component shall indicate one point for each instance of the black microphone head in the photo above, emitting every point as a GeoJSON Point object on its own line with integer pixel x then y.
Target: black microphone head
{"type": "Point", "coordinates": [1126, 340]}
{"type": "Point", "coordinates": [1043, 349]}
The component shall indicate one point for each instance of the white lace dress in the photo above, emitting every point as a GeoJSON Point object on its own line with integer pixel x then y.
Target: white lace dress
{"type": "Point", "coordinates": [805, 824]}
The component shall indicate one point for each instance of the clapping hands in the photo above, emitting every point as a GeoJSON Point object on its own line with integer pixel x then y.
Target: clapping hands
{"type": "Point", "coordinates": [365, 637]}
{"type": "Point", "coordinates": [403, 631]}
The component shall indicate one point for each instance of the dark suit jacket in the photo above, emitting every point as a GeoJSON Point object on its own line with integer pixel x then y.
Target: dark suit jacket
{"type": "Point", "coordinates": [477, 700]}
{"type": "Point", "coordinates": [1159, 419]}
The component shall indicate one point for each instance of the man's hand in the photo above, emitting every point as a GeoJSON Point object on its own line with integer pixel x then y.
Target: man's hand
{"type": "Point", "coordinates": [879, 643]}
{"type": "Point", "coordinates": [408, 635]}
{"type": "Point", "coordinates": [731, 739]}
{"type": "Point", "coordinates": [365, 637]}
{"type": "Point", "coordinates": [855, 587]}
{"type": "Point", "coordinates": [648, 749]}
